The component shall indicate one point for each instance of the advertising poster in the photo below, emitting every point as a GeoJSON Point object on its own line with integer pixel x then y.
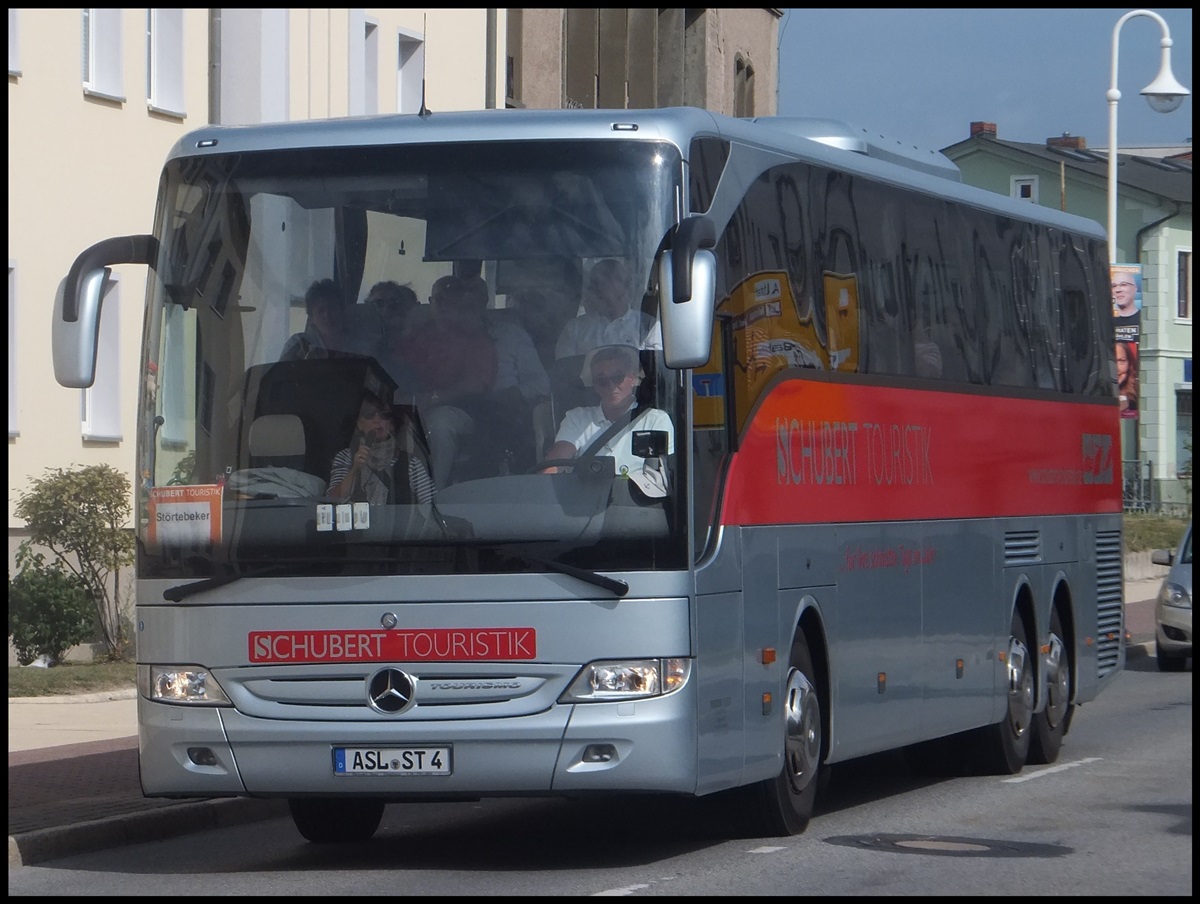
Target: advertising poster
{"type": "Point", "coordinates": [1127, 318]}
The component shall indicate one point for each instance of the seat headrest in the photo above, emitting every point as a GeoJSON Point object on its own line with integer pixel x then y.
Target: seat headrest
{"type": "Point", "coordinates": [273, 435]}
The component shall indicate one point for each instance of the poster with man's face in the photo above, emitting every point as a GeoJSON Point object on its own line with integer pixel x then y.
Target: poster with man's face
{"type": "Point", "coordinates": [1126, 295]}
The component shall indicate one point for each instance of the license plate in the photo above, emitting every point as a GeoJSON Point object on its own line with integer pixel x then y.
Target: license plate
{"type": "Point", "coordinates": [391, 761]}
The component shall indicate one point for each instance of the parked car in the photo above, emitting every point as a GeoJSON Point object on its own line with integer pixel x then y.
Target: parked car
{"type": "Point", "coordinates": [1173, 608]}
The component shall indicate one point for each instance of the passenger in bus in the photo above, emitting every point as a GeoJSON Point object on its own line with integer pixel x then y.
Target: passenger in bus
{"type": "Point", "coordinates": [381, 465]}
{"type": "Point", "coordinates": [455, 363]}
{"type": "Point", "coordinates": [395, 305]}
{"type": "Point", "coordinates": [481, 379]}
{"type": "Point", "coordinates": [328, 332]}
{"type": "Point", "coordinates": [538, 313]}
{"type": "Point", "coordinates": [519, 370]}
{"type": "Point", "coordinates": [608, 316]}
{"type": "Point", "coordinates": [615, 373]}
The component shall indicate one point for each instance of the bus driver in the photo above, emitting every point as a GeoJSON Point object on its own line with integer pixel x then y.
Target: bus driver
{"type": "Point", "coordinates": [615, 373]}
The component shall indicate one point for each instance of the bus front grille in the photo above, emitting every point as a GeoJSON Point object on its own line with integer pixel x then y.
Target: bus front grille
{"type": "Point", "coordinates": [340, 691]}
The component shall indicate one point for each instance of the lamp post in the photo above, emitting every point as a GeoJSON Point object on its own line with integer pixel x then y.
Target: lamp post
{"type": "Point", "coordinates": [1164, 95]}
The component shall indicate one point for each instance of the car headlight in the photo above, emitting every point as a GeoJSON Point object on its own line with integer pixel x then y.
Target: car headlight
{"type": "Point", "coordinates": [1172, 594]}
{"type": "Point", "coordinates": [185, 684]}
{"type": "Point", "coordinates": [627, 679]}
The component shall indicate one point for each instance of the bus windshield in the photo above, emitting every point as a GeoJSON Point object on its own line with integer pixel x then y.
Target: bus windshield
{"type": "Point", "coordinates": [357, 361]}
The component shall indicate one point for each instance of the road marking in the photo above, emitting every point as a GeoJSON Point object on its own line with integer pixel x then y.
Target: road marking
{"type": "Point", "coordinates": [766, 849]}
{"type": "Point", "coordinates": [627, 890]}
{"type": "Point", "coordinates": [1061, 767]}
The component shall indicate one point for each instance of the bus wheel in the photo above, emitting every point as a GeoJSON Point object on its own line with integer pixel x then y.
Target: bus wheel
{"type": "Point", "coordinates": [324, 821]}
{"type": "Point", "coordinates": [783, 805]}
{"type": "Point", "coordinates": [1050, 724]}
{"type": "Point", "coordinates": [1003, 748]}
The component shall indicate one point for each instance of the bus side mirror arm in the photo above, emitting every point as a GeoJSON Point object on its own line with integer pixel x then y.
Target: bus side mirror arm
{"type": "Point", "coordinates": [687, 284]}
{"type": "Point", "coordinates": [690, 236]}
{"type": "Point", "coordinates": [75, 332]}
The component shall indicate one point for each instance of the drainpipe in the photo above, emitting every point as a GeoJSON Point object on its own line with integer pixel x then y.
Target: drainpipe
{"type": "Point", "coordinates": [489, 62]}
{"type": "Point", "coordinates": [1137, 245]}
{"type": "Point", "coordinates": [214, 66]}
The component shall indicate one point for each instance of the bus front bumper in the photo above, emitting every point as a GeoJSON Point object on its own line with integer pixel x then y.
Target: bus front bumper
{"type": "Point", "coordinates": [638, 746]}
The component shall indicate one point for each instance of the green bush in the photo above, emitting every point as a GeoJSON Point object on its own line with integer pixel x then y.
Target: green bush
{"type": "Point", "coordinates": [81, 516]}
{"type": "Point", "coordinates": [49, 610]}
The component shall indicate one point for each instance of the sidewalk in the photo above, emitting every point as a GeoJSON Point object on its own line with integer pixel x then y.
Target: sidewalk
{"type": "Point", "coordinates": [73, 782]}
{"type": "Point", "coordinates": [73, 769]}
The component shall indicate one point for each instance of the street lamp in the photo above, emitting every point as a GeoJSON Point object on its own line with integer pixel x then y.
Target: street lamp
{"type": "Point", "coordinates": [1164, 95]}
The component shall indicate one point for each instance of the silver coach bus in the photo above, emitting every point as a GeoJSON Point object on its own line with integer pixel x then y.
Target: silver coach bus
{"type": "Point", "coordinates": [861, 495]}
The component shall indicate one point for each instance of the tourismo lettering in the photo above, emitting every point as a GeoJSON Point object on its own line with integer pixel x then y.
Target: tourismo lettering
{"type": "Point", "coordinates": [428, 645]}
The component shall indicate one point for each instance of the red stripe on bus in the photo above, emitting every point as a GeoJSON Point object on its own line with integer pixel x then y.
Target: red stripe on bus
{"type": "Point", "coordinates": [819, 452]}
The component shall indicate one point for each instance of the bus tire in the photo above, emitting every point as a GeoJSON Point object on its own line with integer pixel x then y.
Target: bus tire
{"type": "Point", "coordinates": [1050, 724]}
{"type": "Point", "coordinates": [783, 805]}
{"type": "Point", "coordinates": [325, 821]}
{"type": "Point", "coordinates": [1003, 748]}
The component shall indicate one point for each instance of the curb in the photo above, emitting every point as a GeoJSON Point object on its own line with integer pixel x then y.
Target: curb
{"type": "Point", "coordinates": [116, 831]}
{"type": "Point", "coordinates": [127, 693]}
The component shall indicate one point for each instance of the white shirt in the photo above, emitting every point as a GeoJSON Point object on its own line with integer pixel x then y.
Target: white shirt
{"type": "Point", "coordinates": [589, 331]}
{"type": "Point", "coordinates": [582, 425]}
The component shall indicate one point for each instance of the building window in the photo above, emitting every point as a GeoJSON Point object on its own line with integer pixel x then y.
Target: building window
{"type": "Point", "coordinates": [102, 54]}
{"type": "Point", "coordinates": [1183, 430]}
{"type": "Point", "coordinates": [14, 47]}
{"type": "Point", "coordinates": [1183, 280]}
{"type": "Point", "coordinates": [514, 59]}
{"type": "Point", "coordinates": [410, 73]}
{"type": "Point", "coordinates": [164, 61]}
{"type": "Point", "coordinates": [101, 402]}
{"type": "Point", "coordinates": [13, 428]}
{"type": "Point", "coordinates": [743, 88]}
{"type": "Point", "coordinates": [581, 35]}
{"type": "Point", "coordinates": [370, 66]}
{"type": "Point", "coordinates": [1024, 188]}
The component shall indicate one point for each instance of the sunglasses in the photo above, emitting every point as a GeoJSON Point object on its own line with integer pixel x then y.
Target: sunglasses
{"type": "Point", "coordinates": [603, 381]}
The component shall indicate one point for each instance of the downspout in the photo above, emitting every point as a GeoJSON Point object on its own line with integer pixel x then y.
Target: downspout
{"type": "Point", "coordinates": [489, 63]}
{"type": "Point", "coordinates": [214, 66]}
{"type": "Point", "coordinates": [1137, 245]}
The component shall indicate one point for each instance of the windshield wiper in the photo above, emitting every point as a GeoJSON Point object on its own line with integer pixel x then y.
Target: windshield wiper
{"type": "Point", "coordinates": [620, 588]}
{"type": "Point", "coordinates": [183, 591]}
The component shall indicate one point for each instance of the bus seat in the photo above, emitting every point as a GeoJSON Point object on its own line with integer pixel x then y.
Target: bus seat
{"type": "Point", "coordinates": [566, 388]}
{"type": "Point", "coordinates": [277, 440]}
{"type": "Point", "coordinates": [276, 447]}
{"type": "Point", "coordinates": [324, 393]}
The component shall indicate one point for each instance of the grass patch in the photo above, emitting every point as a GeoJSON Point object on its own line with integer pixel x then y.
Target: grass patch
{"type": "Point", "coordinates": [71, 678]}
{"type": "Point", "coordinates": [1145, 532]}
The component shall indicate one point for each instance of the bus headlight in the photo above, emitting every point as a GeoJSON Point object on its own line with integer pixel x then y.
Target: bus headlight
{"type": "Point", "coordinates": [187, 684]}
{"type": "Point", "coordinates": [627, 679]}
